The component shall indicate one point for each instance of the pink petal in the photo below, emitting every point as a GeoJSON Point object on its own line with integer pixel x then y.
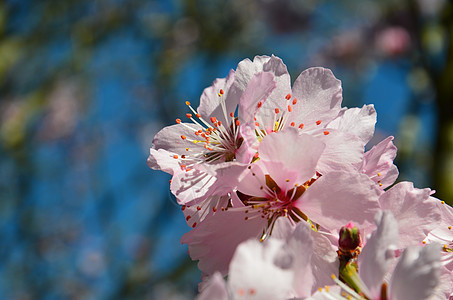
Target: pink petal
{"type": "Point", "coordinates": [343, 151]}
{"type": "Point", "coordinates": [274, 65]}
{"type": "Point", "coordinates": [319, 96]}
{"type": "Point", "coordinates": [296, 152]}
{"type": "Point", "coordinates": [378, 162]}
{"type": "Point", "coordinates": [414, 209]}
{"type": "Point", "coordinates": [249, 146]}
{"type": "Point", "coordinates": [337, 198]}
{"type": "Point", "coordinates": [214, 240]}
{"type": "Point", "coordinates": [169, 138]}
{"type": "Point", "coordinates": [210, 105]}
{"type": "Point", "coordinates": [189, 187]}
{"type": "Point", "coordinates": [163, 160]}
{"type": "Point", "coordinates": [259, 88]}
{"type": "Point", "coordinates": [378, 253]}
{"type": "Point", "coordinates": [247, 69]}
{"type": "Point", "coordinates": [357, 121]}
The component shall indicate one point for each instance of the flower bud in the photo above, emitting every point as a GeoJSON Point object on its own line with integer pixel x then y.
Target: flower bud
{"type": "Point", "coordinates": [350, 238]}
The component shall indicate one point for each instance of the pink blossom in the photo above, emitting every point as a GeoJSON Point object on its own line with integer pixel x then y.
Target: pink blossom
{"type": "Point", "coordinates": [313, 106]}
{"type": "Point", "coordinates": [282, 183]}
{"type": "Point", "coordinates": [213, 137]}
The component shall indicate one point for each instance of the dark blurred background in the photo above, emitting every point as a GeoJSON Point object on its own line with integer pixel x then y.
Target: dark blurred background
{"type": "Point", "coordinates": [85, 85]}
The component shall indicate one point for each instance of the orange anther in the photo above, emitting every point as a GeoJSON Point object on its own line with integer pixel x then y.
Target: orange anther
{"type": "Point", "coordinates": [260, 104]}
{"type": "Point", "coordinates": [189, 115]}
{"type": "Point", "coordinates": [232, 115]}
{"type": "Point", "coordinates": [213, 119]}
{"type": "Point", "coordinates": [326, 132]}
{"type": "Point", "coordinates": [237, 123]}
{"type": "Point", "coordinates": [178, 121]}
{"type": "Point", "coordinates": [290, 109]}
{"type": "Point", "coordinates": [221, 92]}
{"type": "Point", "coordinates": [293, 124]}
{"type": "Point", "coordinates": [219, 122]}
{"type": "Point", "coordinates": [187, 103]}
{"type": "Point", "coordinates": [318, 122]}
{"type": "Point", "coordinates": [188, 218]}
{"type": "Point", "coordinates": [183, 156]}
{"type": "Point", "coordinates": [257, 124]}
{"type": "Point", "coordinates": [183, 207]}
{"type": "Point", "coordinates": [214, 209]}
{"type": "Point", "coordinates": [198, 115]}
{"type": "Point", "coordinates": [198, 208]}
{"type": "Point", "coordinates": [183, 137]}
{"type": "Point", "coordinates": [194, 224]}
{"type": "Point", "coordinates": [277, 110]}
{"type": "Point", "coordinates": [288, 97]}
{"type": "Point", "coordinates": [175, 156]}
{"type": "Point", "coordinates": [301, 126]}
{"type": "Point", "coordinates": [294, 101]}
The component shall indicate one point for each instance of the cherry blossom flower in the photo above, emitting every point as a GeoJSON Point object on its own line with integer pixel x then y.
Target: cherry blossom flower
{"type": "Point", "coordinates": [213, 138]}
{"type": "Point", "coordinates": [282, 183]}
{"type": "Point", "coordinates": [313, 106]}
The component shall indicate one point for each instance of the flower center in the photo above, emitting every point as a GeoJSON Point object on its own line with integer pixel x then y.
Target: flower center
{"type": "Point", "coordinates": [214, 141]}
{"type": "Point", "coordinates": [278, 202]}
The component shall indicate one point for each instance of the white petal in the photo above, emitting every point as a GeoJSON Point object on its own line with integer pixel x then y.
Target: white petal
{"type": "Point", "coordinates": [253, 273]}
{"type": "Point", "coordinates": [417, 273]}
{"type": "Point", "coordinates": [378, 253]}
{"type": "Point", "coordinates": [214, 288]}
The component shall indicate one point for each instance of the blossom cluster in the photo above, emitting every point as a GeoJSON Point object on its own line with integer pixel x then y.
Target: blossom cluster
{"type": "Point", "coordinates": [283, 199]}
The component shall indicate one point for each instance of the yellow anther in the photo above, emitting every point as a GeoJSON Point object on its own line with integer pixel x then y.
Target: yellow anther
{"type": "Point", "coordinates": [333, 276]}
{"type": "Point", "coordinates": [378, 174]}
{"type": "Point", "coordinates": [443, 202]}
{"type": "Point", "coordinates": [187, 103]}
